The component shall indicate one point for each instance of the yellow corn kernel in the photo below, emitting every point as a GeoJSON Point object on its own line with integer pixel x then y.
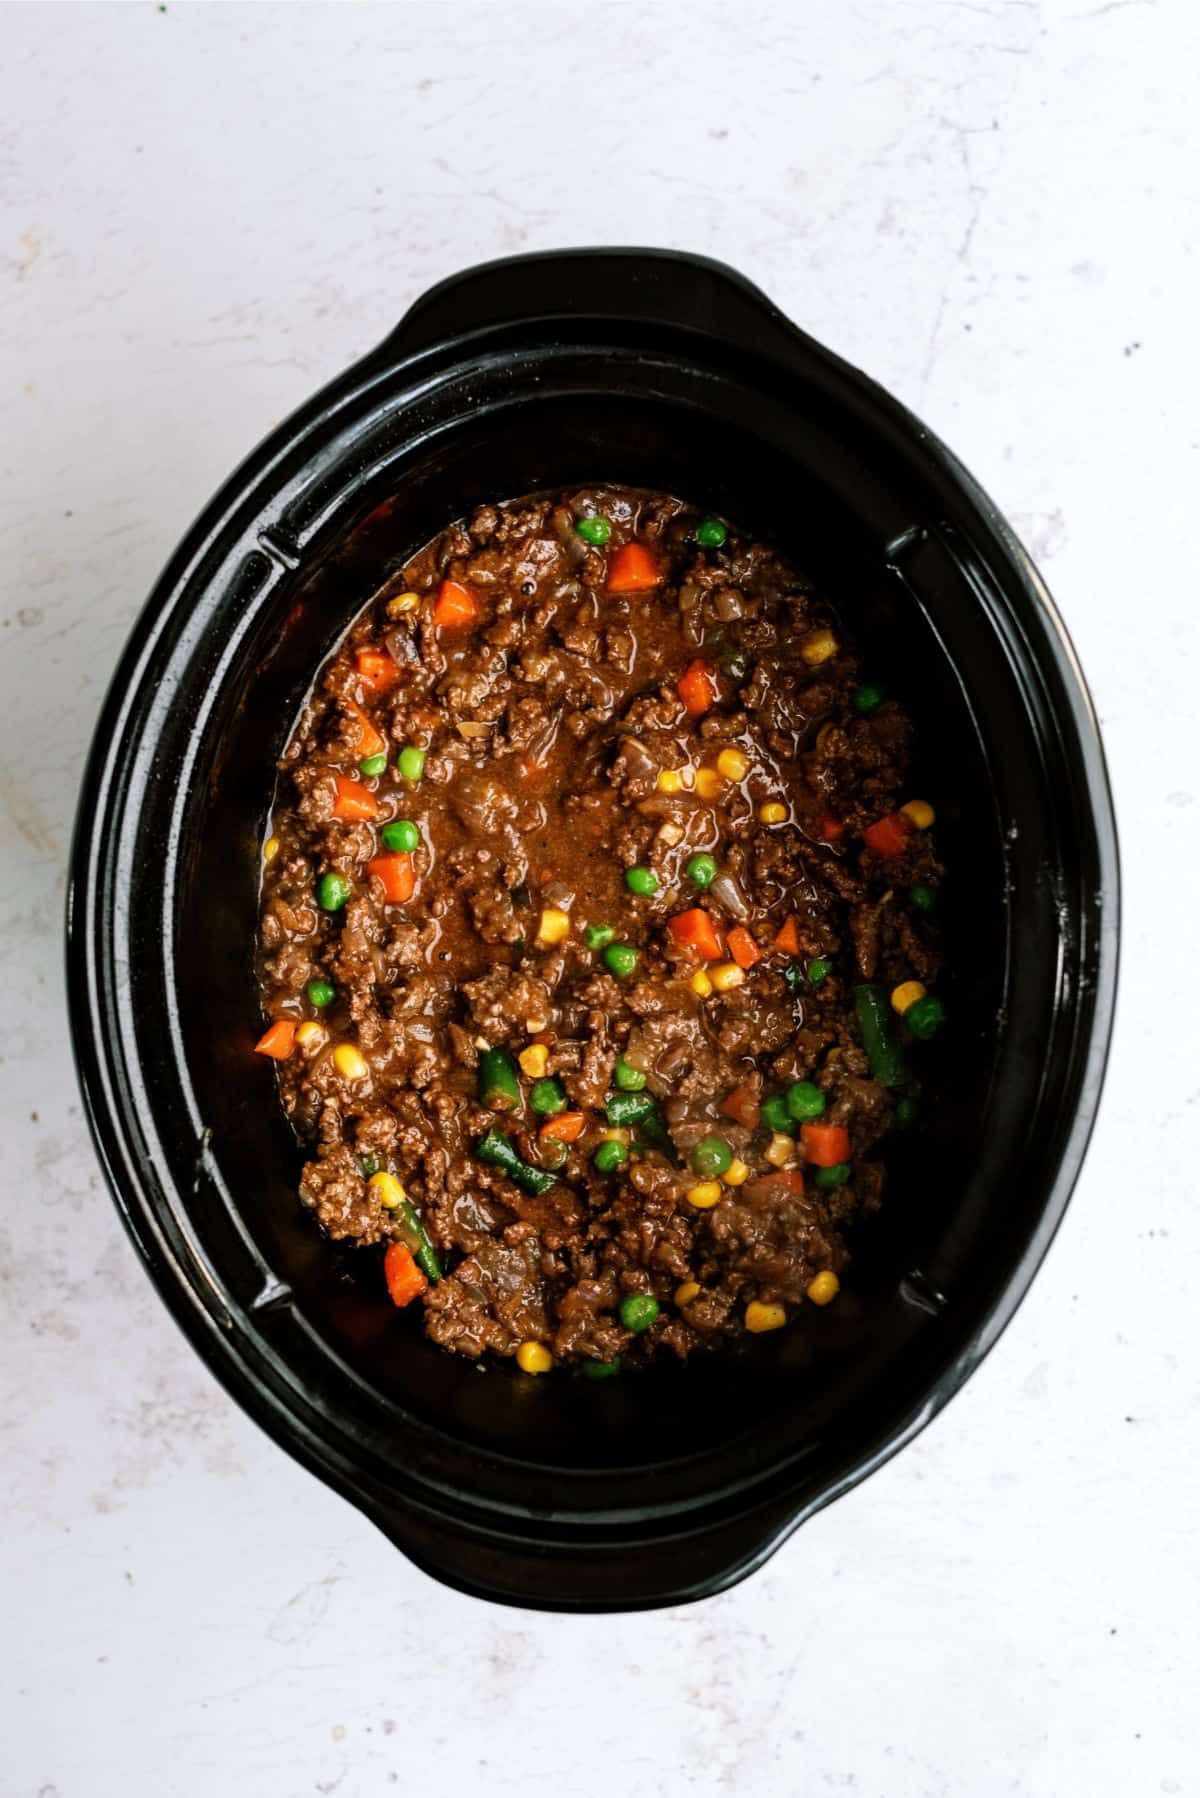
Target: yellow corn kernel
{"type": "Point", "coordinates": [387, 1190]}
{"type": "Point", "coordinates": [553, 926]}
{"type": "Point", "coordinates": [734, 764]}
{"type": "Point", "coordinates": [670, 780]}
{"type": "Point", "coordinates": [616, 1135]}
{"type": "Point", "coordinates": [532, 1061]}
{"type": "Point", "coordinates": [403, 602]}
{"type": "Point", "coordinates": [906, 994]}
{"type": "Point", "coordinates": [687, 1292]}
{"type": "Point", "coordinates": [309, 1032]}
{"type": "Point", "coordinates": [348, 1062]}
{"type": "Point", "coordinates": [817, 647]}
{"type": "Point", "coordinates": [534, 1357]}
{"type": "Point", "coordinates": [760, 1317]}
{"type": "Point", "coordinates": [772, 813]}
{"type": "Point", "coordinates": [823, 1287]}
{"type": "Point", "coordinates": [919, 813]}
{"type": "Point", "coordinates": [270, 849]}
{"type": "Point", "coordinates": [709, 783]}
{"type": "Point", "coordinates": [736, 1174]}
{"type": "Point", "coordinates": [781, 1149]}
{"type": "Point", "coordinates": [702, 986]}
{"type": "Point", "coordinates": [705, 1195]}
{"type": "Point", "coordinates": [727, 976]}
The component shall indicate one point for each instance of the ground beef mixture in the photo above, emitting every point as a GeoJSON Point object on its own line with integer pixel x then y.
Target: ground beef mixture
{"type": "Point", "coordinates": [598, 934]}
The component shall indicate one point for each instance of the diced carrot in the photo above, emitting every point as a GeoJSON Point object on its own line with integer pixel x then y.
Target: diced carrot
{"type": "Point", "coordinates": [825, 1145]}
{"type": "Point", "coordinates": [633, 569]}
{"type": "Point", "coordinates": [278, 1040]}
{"type": "Point", "coordinates": [888, 836]}
{"type": "Point", "coordinates": [456, 607]}
{"type": "Point", "coordinates": [788, 940]}
{"type": "Point", "coordinates": [405, 1281]}
{"type": "Point", "coordinates": [376, 669]}
{"type": "Point", "coordinates": [395, 874]}
{"type": "Point", "coordinates": [791, 1176]}
{"type": "Point", "coordinates": [697, 687]}
{"type": "Point", "coordinates": [832, 829]}
{"type": "Point", "coordinates": [696, 931]}
{"type": "Point", "coordinates": [566, 1127]}
{"type": "Point", "coordinates": [742, 1106]}
{"type": "Point", "coordinates": [352, 801]}
{"type": "Point", "coordinates": [368, 741]}
{"type": "Point", "coordinates": [743, 948]}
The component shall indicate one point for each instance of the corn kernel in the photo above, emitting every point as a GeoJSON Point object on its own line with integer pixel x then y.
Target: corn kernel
{"type": "Point", "coordinates": [616, 1135]}
{"type": "Point", "coordinates": [817, 647]}
{"type": "Point", "coordinates": [919, 813]}
{"type": "Point", "coordinates": [270, 849]}
{"type": "Point", "coordinates": [709, 783]}
{"type": "Point", "coordinates": [781, 1149]}
{"type": "Point", "coordinates": [534, 1357]}
{"type": "Point", "coordinates": [532, 1061]}
{"type": "Point", "coordinates": [309, 1032]}
{"type": "Point", "coordinates": [736, 1174]}
{"type": "Point", "coordinates": [772, 813]}
{"type": "Point", "coordinates": [553, 926]}
{"type": "Point", "coordinates": [687, 1292]}
{"type": "Point", "coordinates": [727, 976]}
{"type": "Point", "coordinates": [403, 602]}
{"type": "Point", "coordinates": [348, 1062]}
{"type": "Point", "coordinates": [734, 764]}
{"type": "Point", "coordinates": [670, 835]}
{"type": "Point", "coordinates": [906, 994]}
{"type": "Point", "coordinates": [387, 1190]}
{"type": "Point", "coordinates": [705, 1195]}
{"type": "Point", "coordinates": [823, 1287]}
{"type": "Point", "coordinates": [702, 986]}
{"type": "Point", "coordinates": [760, 1317]}
{"type": "Point", "coordinates": [670, 780]}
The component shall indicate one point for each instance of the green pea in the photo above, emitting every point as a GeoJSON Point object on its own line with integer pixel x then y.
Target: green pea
{"type": "Point", "coordinates": [819, 969]}
{"type": "Point", "coordinates": [794, 977]}
{"type": "Point", "coordinates": [702, 871]}
{"type": "Point", "coordinates": [319, 993]}
{"type": "Point", "coordinates": [602, 1370]}
{"type": "Point", "coordinates": [866, 698]}
{"type": "Point", "coordinates": [643, 881]}
{"type": "Point", "coordinates": [628, 1079]}
{"type": "Point", "coordinates": [712, 1155]}
{"type": "Point", "coordinates": [373, 765]}
{"type": "Point", "coordinates": [711, 533]}
{"type": "Point", "coordinates": [906, 1113]}
{"type": "Point", "coordinates": [925, 1018]}
{"type": "Point", "coordinates": [637, 1311]}
{"type": "Point", "coordinates": [609, 1156]}
{"type": "Point", "coordinates": [333, 890]}
{"type": "Point", "coordinates": [410, 763]}
{"type": "Point", "coordinates": [553, 1154]}
{"type": "Point", "coordinates": [775, 1114]}
{"type": "Point", "coordinates": [734, 664]}
{"type": "Point", "coordinates": [922, 897]}
{"type": "Point", "coordinates": [829, 1177]}
{"type": "Point", "coordinates": [805, 1101]}
{"type": "Point", "coordinates": [547, 1098]}
{"type": "Point", "coordinates": [594, 530]}
{"type": "Point", "coordinates": [599, 935]}
{"type": "Point", "coordinates": [403, 835]}
{"type": "Point", "coordinates": [620, 959]}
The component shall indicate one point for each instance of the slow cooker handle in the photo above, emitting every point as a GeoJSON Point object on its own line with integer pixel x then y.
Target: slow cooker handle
{"type": "Point", "coordinates": [666, 287]}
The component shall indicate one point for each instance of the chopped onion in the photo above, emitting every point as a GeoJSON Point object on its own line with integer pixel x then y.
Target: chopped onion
{"type": "Point", "coordinates": [728, 605]}
{"type": "Point", "coordinates": [726, 891]}
{"type": "Point", "coordinates": [401, 645]}
{"type": "Point", "coordinates": [559, 894]}
{"type": "Point", "coordinates": [689, 596]}
{"type": "Point", "coordinates": [473, 731]}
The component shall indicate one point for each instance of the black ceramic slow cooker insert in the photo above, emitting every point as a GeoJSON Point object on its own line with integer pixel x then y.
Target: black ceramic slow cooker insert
{"type": "Point", "coordinates": [670, 372]}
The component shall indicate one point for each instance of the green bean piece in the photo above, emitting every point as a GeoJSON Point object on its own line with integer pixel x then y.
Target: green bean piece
{"type": "Point", "coordinates": [422, 1248]}
{"type": "Point", "coordinates": [499, 1087]}
{"type": "Point", "coordinates": [494, 1149]}
{"type": "Point", "coordinates": [876, 1025]}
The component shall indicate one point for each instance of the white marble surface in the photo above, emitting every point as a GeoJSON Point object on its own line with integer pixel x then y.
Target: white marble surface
{"type": "Point", "coordinates": [995, 208]}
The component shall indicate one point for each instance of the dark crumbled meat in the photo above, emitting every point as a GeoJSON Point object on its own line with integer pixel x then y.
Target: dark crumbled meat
{"type": "Point", "coordinates": [560, 753]}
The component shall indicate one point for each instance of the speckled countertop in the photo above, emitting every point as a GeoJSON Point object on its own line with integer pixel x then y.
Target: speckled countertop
{"type": "Point", "coordinates": [995, 208]}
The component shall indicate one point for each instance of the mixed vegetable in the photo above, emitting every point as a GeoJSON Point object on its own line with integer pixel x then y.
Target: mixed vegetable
{"type": "Point", "coordinates": [682, 910]}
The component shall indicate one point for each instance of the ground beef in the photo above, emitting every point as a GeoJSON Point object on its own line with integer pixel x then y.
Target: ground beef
{"type": "Point", "coordinates": [590, 717]}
